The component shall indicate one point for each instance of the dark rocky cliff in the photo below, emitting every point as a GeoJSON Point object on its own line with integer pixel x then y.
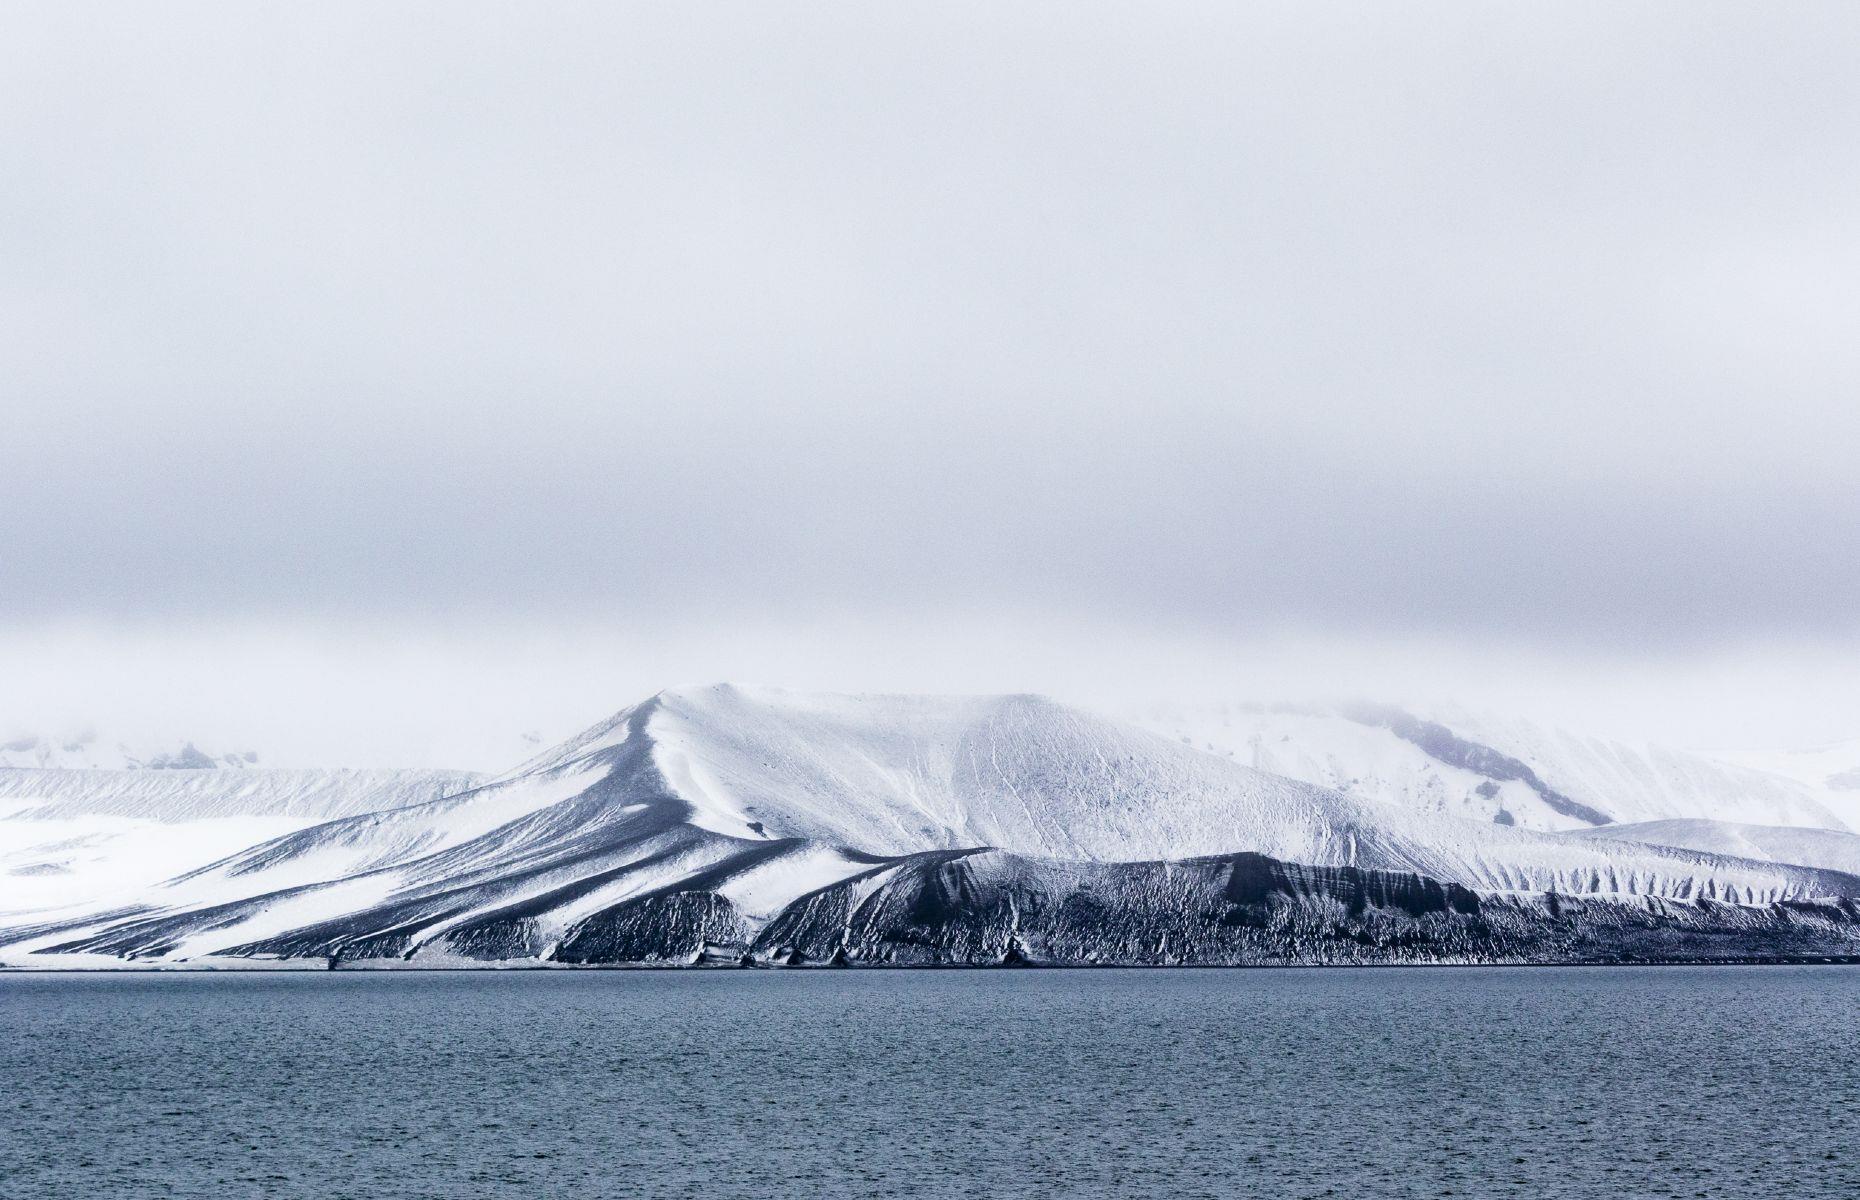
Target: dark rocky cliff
{"type": "Point", "coordinates": [991, 908]}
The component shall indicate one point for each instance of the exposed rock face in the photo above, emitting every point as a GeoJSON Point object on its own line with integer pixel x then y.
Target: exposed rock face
{"type": "Point", "coordinates": [989, 908]}
{"type": "Point", "coordinates": [1249, 909]}
{"type": "Point", "coordinates": [992, 908]}
{"type": "Point", "coordinates": [675, 927]}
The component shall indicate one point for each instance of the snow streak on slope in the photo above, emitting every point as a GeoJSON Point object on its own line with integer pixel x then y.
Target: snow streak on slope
{"type": "Point", "coordinates": [720, 807]}
{"type": "Point", "coordinates": [1490, 769]}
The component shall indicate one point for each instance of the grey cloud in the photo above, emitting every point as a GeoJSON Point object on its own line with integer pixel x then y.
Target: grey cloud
{"type": "Point", "coordinates": [1510, 320]}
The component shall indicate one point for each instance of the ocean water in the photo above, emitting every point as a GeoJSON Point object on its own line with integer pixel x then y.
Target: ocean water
{"type": "Point", "coordinates": [1732, 1082]}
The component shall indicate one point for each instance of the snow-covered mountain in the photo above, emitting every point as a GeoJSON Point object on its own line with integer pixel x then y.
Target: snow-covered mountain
{"type": "Point", "coordinates": [739, 814]}
{"type": "Point", "coordinates": [1495, 769]}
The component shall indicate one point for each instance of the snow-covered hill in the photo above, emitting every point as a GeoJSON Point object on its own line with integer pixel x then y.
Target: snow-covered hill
{"type": "Point", "coordinates": [1494, 769]}
{"type": "Point", "coordinates": [746, 801]}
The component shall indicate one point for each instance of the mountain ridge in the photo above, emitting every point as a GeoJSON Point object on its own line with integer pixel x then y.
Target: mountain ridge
{"type": "Point", "coordinates": [1497, 769]}
{"type": "Point", "coordinates": [748, 801]}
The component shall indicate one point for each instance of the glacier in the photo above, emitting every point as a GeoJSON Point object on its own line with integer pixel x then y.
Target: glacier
{"type": "Point", "coordinates": [766, 827]}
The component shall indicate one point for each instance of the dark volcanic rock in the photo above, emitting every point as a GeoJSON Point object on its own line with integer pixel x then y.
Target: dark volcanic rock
{"type": "Point", "coordinates": [675, 926]}
{"type": "Point", "coordinates": [993, 908]}
{"type": "Point", "coordinates": [990, 908]}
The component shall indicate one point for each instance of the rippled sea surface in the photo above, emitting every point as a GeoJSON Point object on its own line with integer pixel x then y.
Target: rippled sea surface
{"type": "Point", "coordinates": [1731, 1082]}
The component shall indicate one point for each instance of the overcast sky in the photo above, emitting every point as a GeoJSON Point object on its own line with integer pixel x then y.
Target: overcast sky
{"type": "Point", "coordinates": [498, 360]}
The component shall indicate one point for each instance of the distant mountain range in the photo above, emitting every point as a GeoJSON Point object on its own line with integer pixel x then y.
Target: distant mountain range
{"type": "Point", "coordinates": [86, 751]}
{"type": "Point", "coordinates": [743, 825]}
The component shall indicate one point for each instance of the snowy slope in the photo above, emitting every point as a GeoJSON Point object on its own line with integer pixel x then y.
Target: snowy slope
{"type": "Point", "coordinates": [1828, 848]}
{"type": "Point", "coordinates": [1323, 747]}
{"type": "Point", "coordinates": [60, 861]}
{"type": "Point", "coordinates": [185, 795]}
{"type": "Point", "coordinates": [1642, 782]}
{"type": "Point", "coordinates": [755, 798]}
{"type": "Point", "coordinates": [1830, 773]}
{"type": "Point", "coordinates": [1492, 769]}
{"type": "Point", "coordinates": [71, 835]}
{"type": "Point", "coordinates": [897, 775]}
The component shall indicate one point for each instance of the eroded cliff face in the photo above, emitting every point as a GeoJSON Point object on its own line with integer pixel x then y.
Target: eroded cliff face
{"type": "Point", "coordinates": [992, 908]}
{"type": "Point", "coordinates": [989, 908]}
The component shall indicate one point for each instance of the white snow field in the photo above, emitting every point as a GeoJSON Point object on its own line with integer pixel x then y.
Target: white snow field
{"type": "Point", "coordinates": [71, 835]}
{"type": "Point", "coordinates": [762, 796]}
{"type": "Point", "coordinates": [1830, 772]}
{"type": "Point", "coordinates": [1468, 764]}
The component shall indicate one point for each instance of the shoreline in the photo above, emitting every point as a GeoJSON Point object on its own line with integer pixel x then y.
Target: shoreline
{"type": "Point", "coordinates": [740, 968]}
